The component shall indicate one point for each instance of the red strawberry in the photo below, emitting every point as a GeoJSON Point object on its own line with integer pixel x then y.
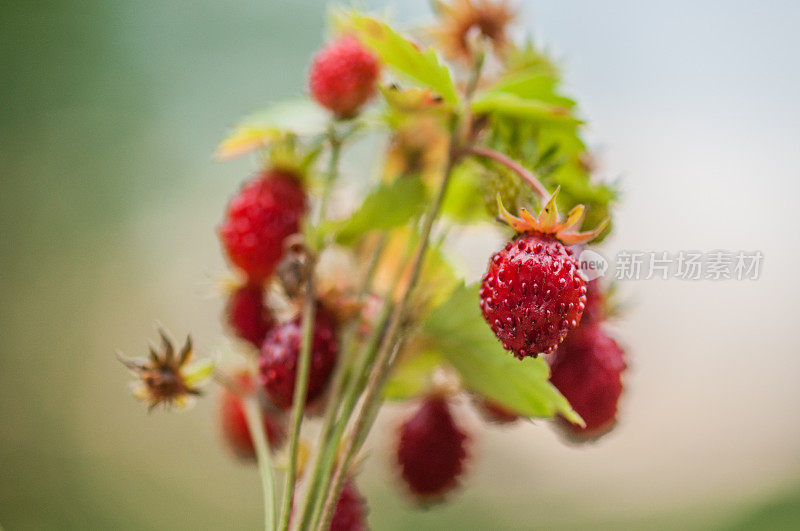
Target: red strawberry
{"type": "Point", "coordinates": [532, 294]}
{"type": "Point", "coordinates": [259, 218]}
{"type": "Point", "coordinates": [351, 510]}
{"type": "Point", "coordinates": [281, 349]}
{"type": "Point", "coordinates": [343, 76]}
{"type": "Point", "coordinates": [431, 451]}
{"type": "Point", "coordinates": [234, 422]}
{"type": "Point", "coordinates": [587, 369]}
{"type": "Point", "coordinates": [247, 314]}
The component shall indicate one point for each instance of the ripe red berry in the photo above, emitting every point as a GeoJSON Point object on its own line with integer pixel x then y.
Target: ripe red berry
{"type": "Point", "coordinates": [343, 76]}
{"type": "Point", "coordinates": [532, 294]}
{"type": "Point", "coordinates": [432, 450]}
{"type": "Point", "coordinates": [247, 314]}
{"type": "Point", "coordinates": [587, 369]}
{"type": "Point", "coordinates": [351, 510]}
{"type": "Point", "coordinates": [234, 422]}
{"type": "Point", "coordinates": [258, 220]}
{"type": "Point", "coordinates": [280, 352]}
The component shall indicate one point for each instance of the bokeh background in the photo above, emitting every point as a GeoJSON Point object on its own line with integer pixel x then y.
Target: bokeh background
{"type": "Point", "coordinates": [109, 198]}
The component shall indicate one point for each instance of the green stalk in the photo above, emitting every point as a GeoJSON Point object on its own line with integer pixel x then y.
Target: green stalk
{"type": "Point", "coordinates": [299, 401]}
{"type": "Point", "coordinates": [304, 360]}
{"type": "Point", "coordinates": [333, 171]}
{"type": "Point", "coordinates": [383, 358]}
{"type": "Point", "coordinates": [337, 388]}
{"type": "Point", "coordinates": [255, 424]}
{"type": "Point", "coordinates": [354, 389]}
{"type": "Point", "coordinates": [348, 404]}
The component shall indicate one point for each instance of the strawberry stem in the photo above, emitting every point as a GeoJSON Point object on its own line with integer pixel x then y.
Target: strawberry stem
{"type": "Point", "coordinates": [324, 458]}
{"type": "Point", "coordinates": [385, 353]}
{"type": "Point", "coordinates": [304, 361]}
{"type": "Point", "coordinates": [255, 425]}
{"type": "Point", "coordinates": [514, 166]}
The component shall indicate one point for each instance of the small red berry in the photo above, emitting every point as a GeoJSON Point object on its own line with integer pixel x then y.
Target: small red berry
{"type": "Point", "coordinates": [259, 218]}
{"type": "Point", "coordinates": [587, 369]}
{"type": "Point", "coordinates": [343, 76]}
{"type": "Point", "coordinates": [247, 314]}
{"type": "Point", "coordinates": [432, 450]}
{"type": "Point", "coordinates": [351, 510]}
{"type": "Point", "coordinates": [280, 352]}
{"type": "Point", "coordinates": [234, 421]}
{"type": "Point", "coordinates": [532, 294]}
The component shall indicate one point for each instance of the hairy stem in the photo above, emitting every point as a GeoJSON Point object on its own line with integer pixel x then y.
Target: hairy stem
{"type": "Point", "coordinates": [336, 395]}
{"type": "Point", "coordinates": [304, 360]}
{"type": "Point", "coordinates": [514, 166]}
{"type": "Point", "coordinates": [350, 398]}
{"type": "Point", "coordinates": [385, 351]}
{"type": "Point", "coordinates": [330, 177]}
{"type": "Point", "coordinates": [349, 401]}
{"type": "Point", "coordinates": [255, 425]}
{"type": "Point", "coordinates": [356, 385]}
{"type": "Point", "coordinates": [299, 400]}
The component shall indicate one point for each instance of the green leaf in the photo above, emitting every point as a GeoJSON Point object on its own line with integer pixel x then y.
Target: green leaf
{"type": "Point", "coordinates": [458, 331]}
{"type": "Point", "coordinates": [533, 84]}
{"type": "Point", "coordinates": [301, 117]}
{"type": "Point", "coordinates": [387, 207]}
{"type": "Point", "coordinates": [401, 55]}
{"type": "Point", "coordinates": [412, 377]}
{"type": "Point", "coordinates": [506, 104]}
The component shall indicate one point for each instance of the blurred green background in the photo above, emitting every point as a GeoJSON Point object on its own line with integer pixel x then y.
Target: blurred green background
{"type": "Point", "coordinates": [109, 198]}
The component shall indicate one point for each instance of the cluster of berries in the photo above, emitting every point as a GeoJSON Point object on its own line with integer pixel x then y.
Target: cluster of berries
{"type": "Point", "coordinates": [533, 297]}
{"type": "Point", "coordinates": [586, 367]}
{"type": "Point", "coordinates": [536, 301]}
{"type": "Point", "coordinates": [258, 224]}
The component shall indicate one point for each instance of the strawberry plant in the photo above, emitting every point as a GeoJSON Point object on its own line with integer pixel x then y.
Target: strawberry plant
{"type": "Point", "coordinates": [338, 311]}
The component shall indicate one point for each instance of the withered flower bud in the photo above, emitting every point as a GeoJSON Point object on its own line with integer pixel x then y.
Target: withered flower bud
{"type": "Point", "coordinates": [166, 377]}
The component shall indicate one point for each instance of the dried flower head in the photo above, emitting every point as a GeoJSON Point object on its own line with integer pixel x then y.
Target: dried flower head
{"type": "Point", "coordinates": [460, 21]}
{"type": "Point", "coordinates": [164, 377]}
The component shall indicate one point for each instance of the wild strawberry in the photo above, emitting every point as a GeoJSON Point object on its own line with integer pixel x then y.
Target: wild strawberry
{"type": "Point", "coordinates": [493, 412]}
{"type": "Point", "coordinates": [247, 314]}
{"type": "Point", "coordinates": [343, 76]}
{"type": "Point", "coordinates": [280, 352]}
{"type": "Point", "coordinates": [431, 450]}
{"type": "Point", "coordinates": [587, 369]}
{"type": "Point", "coordinates": [532, 294]}
{"type": "Point", "coordinates": [258, 220]}
{"type": "Point", "coordinates": [351, 510]}
{"type": "Point", "coordinates": [234, 422]}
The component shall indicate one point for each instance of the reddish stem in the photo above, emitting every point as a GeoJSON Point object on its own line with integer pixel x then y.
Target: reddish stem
{"type": "Point", "coordinates": [514, 166]}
